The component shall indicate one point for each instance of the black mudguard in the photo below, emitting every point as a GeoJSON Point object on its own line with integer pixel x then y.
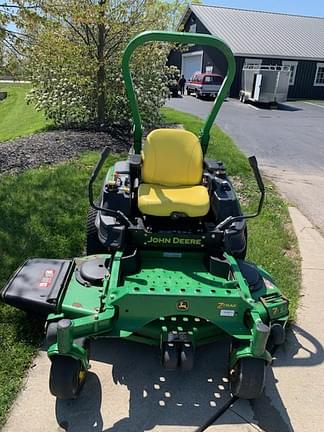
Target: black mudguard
{"type": "Point", "coordinates": [36, 285]}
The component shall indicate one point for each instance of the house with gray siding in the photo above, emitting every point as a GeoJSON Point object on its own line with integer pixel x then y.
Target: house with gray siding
{"type": "Point", "coordinates": [257, 37]}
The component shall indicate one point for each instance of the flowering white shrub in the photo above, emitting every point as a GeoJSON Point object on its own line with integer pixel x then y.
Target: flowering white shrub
{"type": "Point", "coordinates": [66, 67]}
{"type": "Point", "coordinates": [173, 75]}
{"type": "Point", "coordinates": [63, 85]}
{"type": "Point", "coordinates": [68, 95]}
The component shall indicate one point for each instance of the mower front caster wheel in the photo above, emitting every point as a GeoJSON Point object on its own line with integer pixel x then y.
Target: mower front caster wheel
{"type": "Point", "coordinates": [67, 377]}
{"type": "Point", "coordinates": [247, 378]}
{"type": "Point", "coordinates": [170, 356]}
{"type": "Point", "coordinates": [186, 357]}
{"type": "Point", "coordinates": [178, 354]}
{"type": "Point", "coordinates": [276, 338]}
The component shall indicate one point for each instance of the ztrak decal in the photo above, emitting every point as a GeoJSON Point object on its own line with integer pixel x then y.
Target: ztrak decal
{"type": "Point", "coordinates": [226, 305]}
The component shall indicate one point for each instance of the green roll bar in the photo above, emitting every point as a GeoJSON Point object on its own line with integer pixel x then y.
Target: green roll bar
{"type": "Point", "coordinates": [184, 38]}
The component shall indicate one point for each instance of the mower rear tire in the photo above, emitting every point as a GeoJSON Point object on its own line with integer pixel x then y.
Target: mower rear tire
{"type": "Point", "coordinates": [67, 377]}
{"type": "Point", "coordinates": [241, 255]}
{"type": "Point", "coordinates": [93, 244]}
{"type": "Point", "coordinates": [247, 378]}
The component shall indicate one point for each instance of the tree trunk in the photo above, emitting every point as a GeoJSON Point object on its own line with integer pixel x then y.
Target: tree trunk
{"type": "Point", "coordinates": [101, 92]}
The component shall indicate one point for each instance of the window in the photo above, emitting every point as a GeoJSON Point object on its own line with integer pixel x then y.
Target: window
{"type": "Point", "coordinates": [252, 61]}
{"type": "Point", "coordinates": [319, 76]}
{"type": "Point", "coordinates": [293, 69]}
{"type": "Point", "coordinates": [193, 28]}
{"type": "Point", "coordinates": [208, 79]}
{"type": "Point", "coordinates": [213, 79]}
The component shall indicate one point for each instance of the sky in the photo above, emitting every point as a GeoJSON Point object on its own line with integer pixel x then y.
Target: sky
{"type": "Point", "coordinates": [297, 7]}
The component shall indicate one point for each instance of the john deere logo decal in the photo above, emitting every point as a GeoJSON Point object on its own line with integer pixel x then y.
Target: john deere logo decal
{"type": "Point", "coordinates": [174, 241]}
{"type": "Point", "coordinates": [182, 305]}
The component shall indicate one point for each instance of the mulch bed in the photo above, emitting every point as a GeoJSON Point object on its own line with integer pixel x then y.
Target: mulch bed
{"type": "Point", "coordinates": [51, 147]}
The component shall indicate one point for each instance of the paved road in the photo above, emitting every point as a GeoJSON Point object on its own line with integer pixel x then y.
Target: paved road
{"type": "Point", "coordinates": [289, 144]}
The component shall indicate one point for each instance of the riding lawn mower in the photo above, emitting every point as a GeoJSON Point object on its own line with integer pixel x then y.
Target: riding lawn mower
{"type": "Point", "coordinates": [165, 263]}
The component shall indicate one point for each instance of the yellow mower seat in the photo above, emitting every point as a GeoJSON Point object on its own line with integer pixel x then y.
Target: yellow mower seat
{"type": "Point", "coordinates": [156, 200]}
{"type": "Point", "coordinates": [172, 171]}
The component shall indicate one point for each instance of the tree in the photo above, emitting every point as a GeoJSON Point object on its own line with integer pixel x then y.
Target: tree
{"type": "Point", "coordinates": [11, 39]}
{"type": "Point", "coordinates": [74, 50]}
{"type": "Point", "coordinates": [1, 54]}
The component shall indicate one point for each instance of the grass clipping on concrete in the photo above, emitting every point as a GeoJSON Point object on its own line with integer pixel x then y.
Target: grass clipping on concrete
{"type": "Point", "coordinates": [16, 117]}
{"type": "Point", "coordinates": [43, 213]}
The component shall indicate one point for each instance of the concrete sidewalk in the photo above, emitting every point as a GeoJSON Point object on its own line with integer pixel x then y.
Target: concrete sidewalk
{"type": "Point", "coordinates": [14, 82]}
{"type": "Point", "coordinates": [128, 391]}
{"type": "Point", "coordinates": [298, 370]}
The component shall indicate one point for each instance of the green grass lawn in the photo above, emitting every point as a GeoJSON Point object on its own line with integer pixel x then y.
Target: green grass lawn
{"type": "Point", "coordinates": [318, 102]}
{"type": "Point", "coordinates": [16, 117]}
{"type": "Point", "coordinates": [43, 213]}
{"type": "Point", "coordinates": [315, 101]}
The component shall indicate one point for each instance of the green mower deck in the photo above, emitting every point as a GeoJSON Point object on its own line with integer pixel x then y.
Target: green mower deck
{"type": "Point", "coordinates": [172, 294]}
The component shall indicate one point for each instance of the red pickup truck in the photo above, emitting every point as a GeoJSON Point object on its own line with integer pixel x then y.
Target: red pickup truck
{"type": "Point", "coordinates": [204, 84]}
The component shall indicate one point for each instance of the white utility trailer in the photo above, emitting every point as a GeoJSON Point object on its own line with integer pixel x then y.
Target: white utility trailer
{"type": "Point", "coordinates": [264, 83]}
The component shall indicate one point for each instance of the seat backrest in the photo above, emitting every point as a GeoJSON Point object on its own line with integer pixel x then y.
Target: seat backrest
{"type": "Point", "coordinates": [172, 157]}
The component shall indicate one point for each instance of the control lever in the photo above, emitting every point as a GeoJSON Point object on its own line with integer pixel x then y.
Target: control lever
{"type": "Point", "coordinates": [228, 221]}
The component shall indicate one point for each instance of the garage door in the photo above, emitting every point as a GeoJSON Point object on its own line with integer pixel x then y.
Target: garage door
{"type": "Point", "coordinates": [191, 63]}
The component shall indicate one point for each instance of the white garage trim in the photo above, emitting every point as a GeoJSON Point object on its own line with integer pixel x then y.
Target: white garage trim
{"type": "Point", "coordinates": [252, 61]}
{"type": "Point", "coordinates": [319, 75]}
{"type": "Point", "coordinates": [293, 69]}
{"type": "Point", "coordinates": [190, 55]}
{"type": "Point", "coordinates": [193, 53]}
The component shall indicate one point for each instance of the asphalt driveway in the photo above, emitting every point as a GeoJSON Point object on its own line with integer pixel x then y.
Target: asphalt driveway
{"type": "Point", "coordinates": [288, 142]}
